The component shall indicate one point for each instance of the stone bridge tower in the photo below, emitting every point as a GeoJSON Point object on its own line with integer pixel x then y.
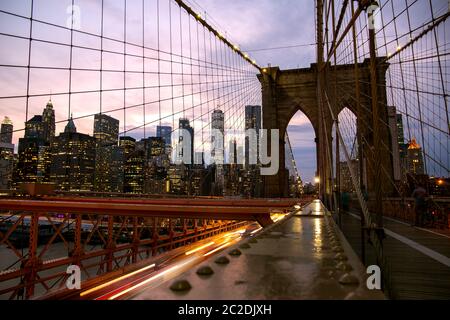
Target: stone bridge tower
{"type": "Point", "coordinates": [284, 92]}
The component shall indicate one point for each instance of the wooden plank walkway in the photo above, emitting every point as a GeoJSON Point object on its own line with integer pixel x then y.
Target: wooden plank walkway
{"type": "Point", "coordinates": [419, 259]}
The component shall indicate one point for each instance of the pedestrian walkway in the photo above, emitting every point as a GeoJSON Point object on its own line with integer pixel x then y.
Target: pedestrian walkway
{"type": "Point", "coordinates": [419, 259]}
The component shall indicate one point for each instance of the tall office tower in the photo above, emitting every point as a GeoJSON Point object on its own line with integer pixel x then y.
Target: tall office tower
{"type": "Point", "coordinates": [48, 122]}
{"type": "Point", "coordinates": [128, 144]}
{"type": "Point", "coordinates": [165, 132]}
{"type": "Point", "coordinates": [402, 146]}
{"type": "Point", "coordinates": [134, 172]}
{"type": "Point", "coordinates": [6, 132]}
{"type": "Point", "coordinates": [155, 166]}
{"type": "Point", "coordinates": [400, 130]}
{"type": "Point", "coordinates": [200, 159]}
{"type": "Point", "coordinates": [6, 154]}
{"type": "Point", "coordinates": [218, 149]}
{"type": "Point", "coordinates": [33, 163]}
{"type": "Point", "coordinates": [218, 146]}
{"type": "Point", "coordinates": [106, 130]}
{"type": "Point", "coordinates": [233, 159]}
{"type": "Point", "coordinates": [73, 160]}
{"type": "Point", "coordinates": [184, 124]}
{"type": "Point", "coordinates": [395, 136]}
{"type": "Point", "coordinates": [108, 169]}
{"type": "Point", "coordinates": [415, 158]}
{"type": "Point", "coordinates": [156, 147]}
{"type": "Point", "coordinates": [133, 167]}
{"type": "Point", "coordinates": [252, 121]}
{"type": "Point", "coordinates": [34, 128]}
{"type": "Point", "coordinates": [109, 162]}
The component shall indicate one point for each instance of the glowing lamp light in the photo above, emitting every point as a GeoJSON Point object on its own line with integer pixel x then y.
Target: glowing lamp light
{"type": "Point", "coordinates": [317, 180]}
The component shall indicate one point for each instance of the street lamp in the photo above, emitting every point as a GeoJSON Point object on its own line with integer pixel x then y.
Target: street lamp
{"type": "Point", "coordinates": [317, 181]}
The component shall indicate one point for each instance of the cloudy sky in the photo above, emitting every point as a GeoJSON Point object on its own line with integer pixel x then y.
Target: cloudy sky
{"type": "Point", "coordinates": [254, 25]}
{"type": "Point", "coordinates": [260, 26]}
{"type": "Point", "coordinates": [279, 33]}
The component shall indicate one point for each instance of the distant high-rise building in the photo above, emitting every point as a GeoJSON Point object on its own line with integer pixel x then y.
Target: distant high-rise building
{"type": "Point", "coordinates": [34, 128]}
{"type": "Point", "coordinates": [135, 159]}
{"type": "Point", "coordinates": [6, 132]}
{"type": "Point", "coordinates": [156, 147]}
{"type": "Point", "coordinates": [165, 132]}
{"type": "Point", "coordinates": [134, 169]}
{"type": "Point", "coordinates": [400, 130]}
{"type": "Point", "coordinates": [128, 144]}
{"type": "Point", "coordinates": [415, 158]}
{"type": "Point", "coordinates": [233, 152]}
{"type": "Point", "coordinates": [177, 179]}
{"type": "Point", "coordinates": [200, 159]}
{"type": "Point", "coordinates": [48, 122]}
{"type": "Point", "coordinates": [252, 121]}
{"type": "Point", "coordinates": [185, 125]}
{"type": "Point", "coordinates": [402, 146]}
{"type": "Point", "coordinates": [218, 147]}
{"type": "Point", "coordinates": [33, 163]}
{"type": "Point", "coordinates": [6, 154]}
{"type": "Point", "coordinates": [393, 123]}
{"type": "Point", "coordinates": [106, 130]}
{"type": "Point", "coordinates": [73, 160]}
{"type": "Point", "coordinates": [251, 178]}
{"type": "Point", "coordinates": [109, 162]}
{"type": "Point", "coordinates": [108, 155]}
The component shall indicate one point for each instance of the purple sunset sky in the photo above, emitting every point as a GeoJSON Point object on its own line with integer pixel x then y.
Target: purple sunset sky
{"type": "Point", "coordinates": [252, 24]}
{"type": "Point", "coordinates": [261, 24]}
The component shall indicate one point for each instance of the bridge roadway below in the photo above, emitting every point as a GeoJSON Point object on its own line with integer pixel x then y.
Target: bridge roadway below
{"type": "Point", "coordinates": [303, 256]}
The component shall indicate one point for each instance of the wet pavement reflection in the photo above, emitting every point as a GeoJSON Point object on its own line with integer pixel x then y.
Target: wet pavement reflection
{"type": "Point", "coordinates": [301, 257]}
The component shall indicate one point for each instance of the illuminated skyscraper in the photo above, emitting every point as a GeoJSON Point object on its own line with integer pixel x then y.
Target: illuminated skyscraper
{"type": "Point", "coordinates": [400, 130]}
{"type": "Point", "coordinates": [128, 144]}
{"type": "Point", "coordinates": [34, 153]}
{"type": "Point", "coordinates": [48, 122]}
{"type": "Point", "coordinates": [6, 132]}
{"type": "Point", "coordinates": [415, 158]}
{"type": "Point", "coordinates": [252, 121]}
{"type": "Point", "coordinates": [73, 160]}
{"type": "Point", "coordinates": [218, 147]}
{"type": "Point", "coordinates": [251, 179]}
{"type": "Point", "coordinates": [165, 132]}
{"type": "Point", "coordinates": [6, 154]}
{"type": "Point", "coordinates": [109, 157]}
{"type": "Point", "coordinates": [106, 130]}
{"type": "Point", "coordinates": [134, 172]}
{"type": "Point", "coordinates": [185, 125]}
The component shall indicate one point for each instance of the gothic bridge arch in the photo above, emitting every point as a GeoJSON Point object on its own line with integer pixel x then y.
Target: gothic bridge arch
{"type": "Point", "coordinates": [284, 92]}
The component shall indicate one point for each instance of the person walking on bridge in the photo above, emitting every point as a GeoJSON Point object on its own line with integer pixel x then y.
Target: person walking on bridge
{"type": "Point", "coordinates": [420, 205]}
